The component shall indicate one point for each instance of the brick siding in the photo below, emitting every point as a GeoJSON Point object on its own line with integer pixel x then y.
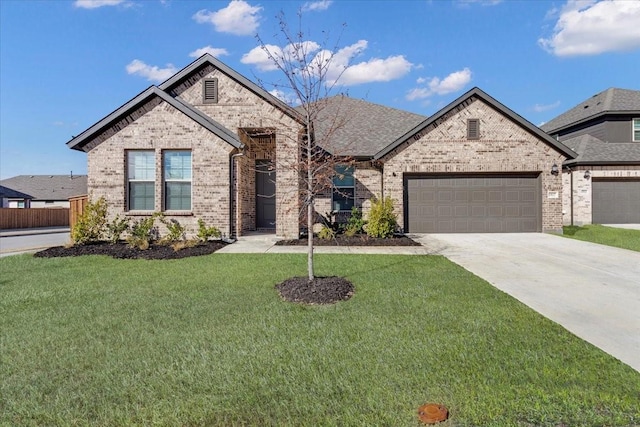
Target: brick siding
{"type": "Point", "coordinates": [503, 147]}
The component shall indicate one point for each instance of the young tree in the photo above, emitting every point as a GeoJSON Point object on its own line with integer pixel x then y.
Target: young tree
{"type": "Point", "coordinates": [311, 74]}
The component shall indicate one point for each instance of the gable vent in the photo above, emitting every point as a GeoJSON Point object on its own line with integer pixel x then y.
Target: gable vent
{"type": "Point", "coordinates": [210, 91]}
{"type": "Point", "coordinates": [473, 129]}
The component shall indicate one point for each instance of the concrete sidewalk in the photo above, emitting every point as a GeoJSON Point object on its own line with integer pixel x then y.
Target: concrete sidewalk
{"type": "Point", "coordinates": [266, 243]}
{"type": "Point", "coordinates": [33, 231]}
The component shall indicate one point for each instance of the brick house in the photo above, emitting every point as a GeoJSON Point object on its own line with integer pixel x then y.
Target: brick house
{"type": "Point", "coordinates": [209, 143]}
{"type": "Point", "coordinates": [602, 184]}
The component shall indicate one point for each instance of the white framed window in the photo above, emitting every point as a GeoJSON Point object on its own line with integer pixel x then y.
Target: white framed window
{"type": "Point", "coordinates": [636, 130]}
{"type": "Point", "coordinates": [177, 180]}
{"type": "Point", "coordinates": [141, 178]}
{"type": "Point", "coordinates": [344, 189]}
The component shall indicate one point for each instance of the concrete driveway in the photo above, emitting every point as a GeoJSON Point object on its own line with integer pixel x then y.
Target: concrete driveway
{"type": "Point", "coordinates": [592, 290]}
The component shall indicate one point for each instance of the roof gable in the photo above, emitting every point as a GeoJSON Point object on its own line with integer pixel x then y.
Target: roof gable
{"type": "Point", "coordinates": [86, 140]}
{"type": "Point", "coordinates": [207, 59]}
{"type": "Point", "coordinates": [610, 101]}
{"type": "Point", "coordinates": [477, 93]}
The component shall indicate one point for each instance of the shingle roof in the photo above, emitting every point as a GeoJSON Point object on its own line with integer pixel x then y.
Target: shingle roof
{"type": "Point", "coordinates": [48, 187]}
{"type": "Point", "coordinates": [354, 127]}
{"type": "Point", "coordinates": [592, 150]}
{"type": "Point", "coordinates": [9, 193]}
{"type": "Point", "coordinates": [610, 101]}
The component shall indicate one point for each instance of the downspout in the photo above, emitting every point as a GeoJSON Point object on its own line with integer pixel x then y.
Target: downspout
{"type": "Point", "coordinates": [232, 202]}
{"type": "Point", "coordinates": [571, 192]}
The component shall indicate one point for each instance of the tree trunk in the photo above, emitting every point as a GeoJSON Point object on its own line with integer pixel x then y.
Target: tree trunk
{"type": "Point", "coordinates": [310, 205]}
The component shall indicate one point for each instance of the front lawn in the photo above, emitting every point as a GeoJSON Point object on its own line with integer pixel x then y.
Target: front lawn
{"type": "Point", "coordinates": [619, 237]}
{"type": "Point", "coordinates": [206, 341]}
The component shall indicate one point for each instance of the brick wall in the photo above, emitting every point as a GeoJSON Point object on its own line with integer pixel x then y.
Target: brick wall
{"type": "Point", "coordinates": [237, 108]}
{"type": "Point", "coordinates": [503, 146]}
{"type": "Point", "coordinates": [159, 128]}
{"type": "Point", "coordinates": [582, 191]}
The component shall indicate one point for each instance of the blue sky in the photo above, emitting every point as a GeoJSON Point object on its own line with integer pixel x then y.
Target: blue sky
{"type": "Point", "coordinates": [64, 65]}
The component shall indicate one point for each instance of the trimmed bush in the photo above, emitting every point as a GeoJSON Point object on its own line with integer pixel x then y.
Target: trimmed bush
{"type": "Point", "coordinates": [92, 224]}
{"type": "Point", "coordinates": [382, 220]}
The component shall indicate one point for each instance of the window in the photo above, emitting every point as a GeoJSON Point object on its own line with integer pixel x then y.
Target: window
{"type": "Point", "coordinates": [473, 128]}
{"type": "Point", "coordinates": [636, 130]}
{"type": "Point", "coordinates": [141, 176]}
{"type": "Point", "coordinates": [177, 180]}
{"type": "Point", "coordinates": [210, 91]}
{"type": "Point", "coordinates": [344, 189]}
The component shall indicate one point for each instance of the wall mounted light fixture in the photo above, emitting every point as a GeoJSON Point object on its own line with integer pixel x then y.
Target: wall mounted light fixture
{"type": "Point", "coordinates": [587, 175]}
{"type": "Point", "coordinates": [554, 170]}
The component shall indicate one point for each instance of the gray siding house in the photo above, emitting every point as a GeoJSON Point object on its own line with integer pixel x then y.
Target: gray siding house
{"type": "Point", "coordinates": [209, 143]}
{"type": "Point", "coordinates": [602, 184]}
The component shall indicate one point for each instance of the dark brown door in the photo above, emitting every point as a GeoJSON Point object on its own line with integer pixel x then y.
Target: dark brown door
{"type": "Point", "coordinates": [615, 201]}
{"type": "Point", "coordinates": [265, 194]}
{"type": "Point", "coordinates": [473, 204]}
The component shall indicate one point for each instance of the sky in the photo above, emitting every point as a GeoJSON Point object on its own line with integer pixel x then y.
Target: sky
{"type": "Point", "coordinates": [65, 65]}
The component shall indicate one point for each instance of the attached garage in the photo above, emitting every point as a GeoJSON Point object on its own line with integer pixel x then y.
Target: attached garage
{"type": "Point", "coordinates": [485, 203]}
{"type": "Point", "coordinates": [615, 201]}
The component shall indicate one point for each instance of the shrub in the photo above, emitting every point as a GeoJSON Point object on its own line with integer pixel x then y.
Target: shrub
{"type": "Point", "coordinates": [382, 221]}
{"type": "Point", "coordinates": [183, 244]}
{"type": "Point", "coordinates": [326, 233]}
{"type": "Point", "coordinates": [355, 224]}
{"type": "Point", "coordinates": [91, 225]}
{"type": "Point", "coordinates": [205, 233]}
{"type": "Point", "coordinates": [143, 232]}
{"type": "Point", "coordinates": [116, 227]}
{"type": "Point", "coordinates": [175, 229]}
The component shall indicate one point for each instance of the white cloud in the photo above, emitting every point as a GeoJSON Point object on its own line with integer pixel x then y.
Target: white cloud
{"type": "Point", "coordinates": [376, 70]}
{"type": "Point", "coordinates": [151, 73]}
{"type": "Point", "coordinates": [316, 5]}
{"type": "Point", "coordinates": [591, 27]}
{"type": "Point", "coordinates": [436, 86]}
{"type": "Point", "coordinates": [288, 98]}
{"type": "Point", "coordinates": [94, 4]}
{"type": "Point", "coordinates": [539, 108]}
{"type": "Point", "coordinates": [239, 18]}
{"type": "Point", "coordinates": [258, 57]}
{"type": "Point", "coordinates": [373, 70]}
{"type": "Point", "coordinates": [213, 51]}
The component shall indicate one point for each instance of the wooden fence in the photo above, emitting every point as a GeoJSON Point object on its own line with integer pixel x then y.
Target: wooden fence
{"type": "Point", "coordinates": [77, 206]}
{"type": "Point", "coordinates": [33, 217]}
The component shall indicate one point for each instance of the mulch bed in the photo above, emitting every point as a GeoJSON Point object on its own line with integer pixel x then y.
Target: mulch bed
{"type": "Point", "coordinates": [124, 251]}
{"type": "Point", "coordinates": [357, 240]}
{"type": "Point", "coordinates": [322, 290]}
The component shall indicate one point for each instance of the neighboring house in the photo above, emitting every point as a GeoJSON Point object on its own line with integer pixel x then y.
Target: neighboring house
{"type": "Point", "coordinates": [45, 191]}
{"type": "Point", "coordinates": [209, 143]}
{"type": "Point", "coordinates": [10, 198]}
{"type": "Point", "coordinates": [602, 184]}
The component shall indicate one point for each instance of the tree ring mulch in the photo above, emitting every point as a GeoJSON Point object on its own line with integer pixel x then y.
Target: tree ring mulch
{"type": "Point", "coordinates": [321, 290]}
{"type": "Point", "coordinates": [432, 413]}
{"type": "Point", "coordinates": [121, 250]}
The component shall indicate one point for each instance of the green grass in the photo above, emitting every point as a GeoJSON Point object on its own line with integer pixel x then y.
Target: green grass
{"type": "Point", "coordinates": [206, 341]}
{"type": "Point", "coordinates": [610, 236]}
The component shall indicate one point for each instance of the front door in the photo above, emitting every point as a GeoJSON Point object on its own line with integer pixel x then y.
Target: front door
{"type": "Point", "coordinates": [265, 194]}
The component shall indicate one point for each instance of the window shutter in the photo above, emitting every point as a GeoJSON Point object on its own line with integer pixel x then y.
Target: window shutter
{"type": "Point", "coordinates": [210, 91]}
{"type": "Point", "coordinates": [473, 129]}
